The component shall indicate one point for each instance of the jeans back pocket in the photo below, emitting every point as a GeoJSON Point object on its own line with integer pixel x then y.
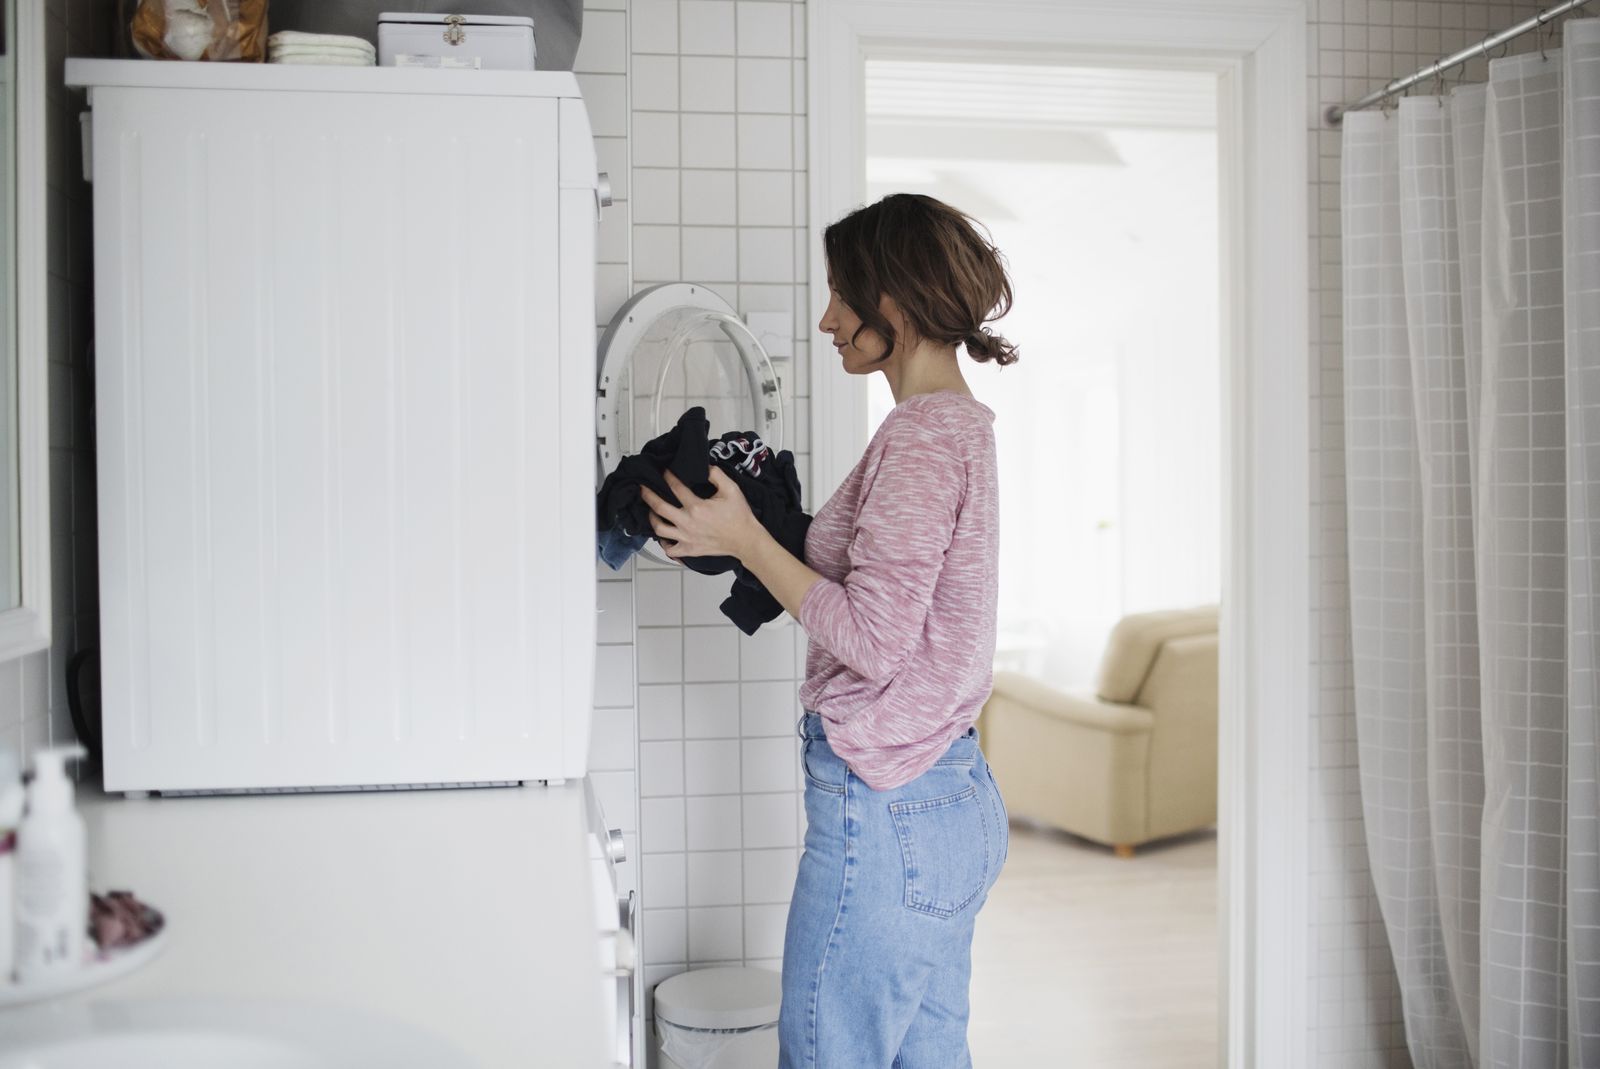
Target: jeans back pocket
{"type": "Point", "coordinates": [945, 845]}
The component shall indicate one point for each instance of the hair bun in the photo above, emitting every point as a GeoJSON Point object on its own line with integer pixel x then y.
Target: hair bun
{"type": "Point", "coordinates": [983, 345]}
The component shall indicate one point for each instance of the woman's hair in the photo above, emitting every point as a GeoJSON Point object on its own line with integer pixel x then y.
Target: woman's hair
{"type": "Point", "coordinates": [936, 263]}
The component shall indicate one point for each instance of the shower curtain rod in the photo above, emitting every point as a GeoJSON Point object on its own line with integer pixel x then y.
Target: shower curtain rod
{"type": "Point", "coordinates": [1335, 112]}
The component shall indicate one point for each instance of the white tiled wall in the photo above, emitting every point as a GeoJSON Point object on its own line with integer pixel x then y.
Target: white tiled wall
{"type": "Point", "coordinates": [1354, 47]}
{"type": "Point", "coordinates": [717, 197]}
{"type": "Point", "coordinates": [33, 703]}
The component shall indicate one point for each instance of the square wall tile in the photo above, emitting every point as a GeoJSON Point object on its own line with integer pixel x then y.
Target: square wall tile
{"type": "Point", "coordinates": [665, 886]}
{"type": "Point", "coordinates": [605, 96]}
{"type": "Point", "coordinates": [769, 709]}
{"type": "Point", "coordinates": [711, 766]}
{"type": "Point", "coordinates": [705, 27]}
{"type": "Point", "coordinates": [709, 199]}
{"type": "Point", "coordinates": [614, 602]}
{"type": "Point", "coordinates": [769, 820]}
{"type": "Point", "coordinates": [657, 256]}
{"type": "Point", "coordinates": [715, 878]}
{"type": "Point", "coordinates": [769, 875]}
{"type": "Point", "coordinates": [766, 142]}
{"type": "Point", "coordinates": [660, 651]}
{"type": "Point", "coordinates": [660, 769]}
{"type": "Point", "coordinates": [702, 598]}
{"type": "Point", "coordinates": [655, 83]}
{"type": "Point", "coordinates": [764, 930]}
{"type": "Point", "coordinates": [711, 710]}
{"type": "Point", "coordinates": [766, 198]}
{"type": "Point", "coordinates": [716, 934]}
{"type": "Point", "coordinates": [660, 712]}
{"type": "Point", "coordinates": [665, 935]}
{"type": "Point", "coordinates": [765, 85]}
{"type": "Point", "coordinates": [613, 676]}
{"type": "Point", "coordinates": [661, 825]}
{"type": "Point", "coordinates": [706, 83]}
{"type": "Point", "coordinates": [660, 598]}
{"type": "Point", "coordinates": [603, 47]}
{"type": "Point", "coordinates": [708, 140]}
{"type": "Point", "coordinates": [764, 29]}
{"type": "Point", "coordinates": [767, 654]}
{"type": "Point", "coordinates": [711, 654]}
{"type": "Point", "coordinates": [655, 140]}
{"type": "Point", "coordinates": [713, 823]}
{"type": "Point", "coordinates": [710, 254]}
{"type": "Point", "coordinates": [655, 195]}
{"type": "Point", "coordinates": [655, 26]}
{"type": "Point", "coordinates": [771, 764]}
{"type": "Point", "coordinates": [766, 254]}
{"type": "Point", "coordinates": [611, 740]}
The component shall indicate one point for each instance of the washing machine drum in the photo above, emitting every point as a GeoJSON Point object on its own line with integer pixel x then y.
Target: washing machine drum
{"type": "Point", "coordinates": [670, 348]}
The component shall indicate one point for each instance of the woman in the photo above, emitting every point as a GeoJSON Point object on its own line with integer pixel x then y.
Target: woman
{"type": "Point", "coordinates": [906, 831]}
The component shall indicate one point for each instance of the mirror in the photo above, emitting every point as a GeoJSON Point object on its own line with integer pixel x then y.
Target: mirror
{"type": "Point", "coordinates": [24, 455]}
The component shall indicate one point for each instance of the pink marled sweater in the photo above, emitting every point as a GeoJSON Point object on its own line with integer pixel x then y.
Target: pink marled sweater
{"type": "Point", "coordinates": [902, 624]}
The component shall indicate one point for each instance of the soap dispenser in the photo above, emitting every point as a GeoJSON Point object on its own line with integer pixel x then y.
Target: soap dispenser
{"type": "Point", "coordinates": [10, 816]}
{"type": "Point", "coordinates": [52, 891]}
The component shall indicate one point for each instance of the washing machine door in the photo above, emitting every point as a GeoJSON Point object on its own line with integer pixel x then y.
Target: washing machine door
{"type": "Point", "coordinates": [670, 348]}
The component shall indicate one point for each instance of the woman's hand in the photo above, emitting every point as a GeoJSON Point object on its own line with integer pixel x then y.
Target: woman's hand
{"type": "Point", "coordinates": [718, 526]}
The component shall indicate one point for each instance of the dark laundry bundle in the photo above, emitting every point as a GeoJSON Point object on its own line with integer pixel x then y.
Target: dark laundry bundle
{"type": "Point", "coordinates": [768, 481]}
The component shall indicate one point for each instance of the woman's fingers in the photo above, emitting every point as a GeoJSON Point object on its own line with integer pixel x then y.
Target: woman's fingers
{"type": "Point", "coordinates": [679, 489]}
{"type": "Point", "coordinates": [657, 503]}
{"type": "Point", "coordinates": [663, 529]}
{"type": "Point", "coordinates": [721, 480]}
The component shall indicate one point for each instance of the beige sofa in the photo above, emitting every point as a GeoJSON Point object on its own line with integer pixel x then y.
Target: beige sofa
{"type": "Point", "coordinates": [1133, 762]}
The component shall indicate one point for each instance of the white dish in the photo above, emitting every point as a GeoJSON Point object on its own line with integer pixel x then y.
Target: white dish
{"type": "Point", "coordinates": [101, 968]}
{"type": "Point", "coordinates": [205, 1033]}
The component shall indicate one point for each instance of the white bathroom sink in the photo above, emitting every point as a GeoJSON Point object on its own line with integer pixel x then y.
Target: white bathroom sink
{"type": "Point", "coordinates": [209, 1033]}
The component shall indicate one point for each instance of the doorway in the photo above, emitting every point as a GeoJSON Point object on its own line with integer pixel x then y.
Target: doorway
{"type": "Point", "coordinates": [1254, 56]}
{"type": "Point", "coordinates": [1100, 187]}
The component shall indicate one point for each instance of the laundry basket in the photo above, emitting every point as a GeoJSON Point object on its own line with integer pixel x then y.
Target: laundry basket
{"type": "Point", "coordinates": [722, 1018]}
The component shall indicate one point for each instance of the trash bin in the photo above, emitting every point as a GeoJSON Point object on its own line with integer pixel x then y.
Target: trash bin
{"type": "Point", "coordinates": [722, 1018]}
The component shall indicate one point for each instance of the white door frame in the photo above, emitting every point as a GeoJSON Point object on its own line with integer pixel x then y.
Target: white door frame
{"type": "Point", "coordinates": [1257, 48]}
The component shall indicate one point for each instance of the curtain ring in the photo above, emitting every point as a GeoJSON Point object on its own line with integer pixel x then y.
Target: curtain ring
{"type": "Point", "coordinates": [1541, 35]}
{"type": "Point", "coordinates": [1438, 86]}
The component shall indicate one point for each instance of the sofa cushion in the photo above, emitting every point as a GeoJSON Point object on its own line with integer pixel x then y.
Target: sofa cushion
{"type": "Point", "coordinates": [1134, 642]}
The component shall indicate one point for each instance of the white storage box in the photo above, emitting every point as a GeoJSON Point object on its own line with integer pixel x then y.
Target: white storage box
{"type": "Point", "coordinates": [472, 42]}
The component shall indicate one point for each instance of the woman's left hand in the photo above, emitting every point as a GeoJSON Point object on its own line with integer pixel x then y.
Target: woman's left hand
{"type": "Point", "coordinates": [718, 526]}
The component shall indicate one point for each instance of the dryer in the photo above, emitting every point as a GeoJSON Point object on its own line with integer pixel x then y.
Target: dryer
{"type": "Point", "coordinates": [345, 358]}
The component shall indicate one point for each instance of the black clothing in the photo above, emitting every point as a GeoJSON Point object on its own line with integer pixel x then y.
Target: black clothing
{"type": "Point", "coordinates": [768, 481]}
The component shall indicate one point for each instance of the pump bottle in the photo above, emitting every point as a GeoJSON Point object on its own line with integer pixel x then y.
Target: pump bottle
{"type": "Point", "coordinates": [52, 890]}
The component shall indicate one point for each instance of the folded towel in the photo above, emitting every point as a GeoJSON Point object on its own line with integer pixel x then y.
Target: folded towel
{"type": "Point", "coordinates": [322, 61]}
{"type": "Point", "coordinates": [294, 38]}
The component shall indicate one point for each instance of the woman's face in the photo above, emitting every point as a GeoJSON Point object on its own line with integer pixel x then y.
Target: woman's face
{"type": "Point", "coordinates": [841, 323]}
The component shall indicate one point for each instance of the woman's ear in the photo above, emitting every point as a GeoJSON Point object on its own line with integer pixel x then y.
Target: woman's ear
{"type": "Point", "coordinates": [905, 337]}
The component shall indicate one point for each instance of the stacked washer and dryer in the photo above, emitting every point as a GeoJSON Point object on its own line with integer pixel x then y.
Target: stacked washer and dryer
{"type": "Point", "coordinates": [347, 423]}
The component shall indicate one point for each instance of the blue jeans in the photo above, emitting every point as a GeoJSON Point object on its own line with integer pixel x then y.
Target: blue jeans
{"type": "Point", "coordinates": [877, 957]}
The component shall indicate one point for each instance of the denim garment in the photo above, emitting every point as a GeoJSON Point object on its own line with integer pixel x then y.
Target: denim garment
{"type": "Point", "coordinates": [877, 957]}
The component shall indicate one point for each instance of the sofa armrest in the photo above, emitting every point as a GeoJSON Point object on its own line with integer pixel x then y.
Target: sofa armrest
{"type": "Point", "coordinates": [1082, 709]}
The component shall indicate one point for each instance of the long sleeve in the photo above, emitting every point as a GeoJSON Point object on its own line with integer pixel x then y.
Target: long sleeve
{"type": "Point", "coordinates": [904, 524]}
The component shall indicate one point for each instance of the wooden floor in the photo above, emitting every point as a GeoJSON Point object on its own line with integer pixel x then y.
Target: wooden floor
{"type": "Point", "coordinates": [1083, 959]}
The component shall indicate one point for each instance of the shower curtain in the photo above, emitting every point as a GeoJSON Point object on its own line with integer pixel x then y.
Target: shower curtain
{"type": "Point", "coordinates": [1471, 243]}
